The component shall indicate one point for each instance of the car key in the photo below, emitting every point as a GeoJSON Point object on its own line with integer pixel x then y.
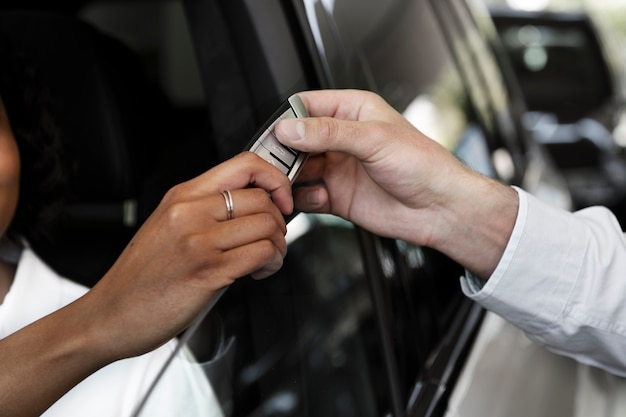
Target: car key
{"type": "Point", "coordinates": [265, 144]}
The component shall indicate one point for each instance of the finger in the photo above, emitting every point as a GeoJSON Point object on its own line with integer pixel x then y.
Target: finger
{"type": "Point", "coordinates": [245, 230]}
{"type": "Point", "coordinates": [323, 134]}
{"type": "Point", "coordinates": [241, 171]}
{"type": "Point", "coordinates": [244, 202]}
{"type": "Point", "coordinates": [261, 258]}
{"type": "Point", "coordinates": [262, 254]}
{"type": "Point", "coordinates": [312, 199]}
{"type": "Point", "coordinates": [270, 268]}
{"type": "Point", "coordinates": [205, 212]}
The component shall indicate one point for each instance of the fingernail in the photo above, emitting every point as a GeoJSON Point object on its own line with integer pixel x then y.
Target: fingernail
{"type": "Point", "coordinates": [292, 129]}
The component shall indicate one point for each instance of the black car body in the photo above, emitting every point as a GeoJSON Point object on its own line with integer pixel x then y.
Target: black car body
{"type": "Point", "coordinates": [354, 324]}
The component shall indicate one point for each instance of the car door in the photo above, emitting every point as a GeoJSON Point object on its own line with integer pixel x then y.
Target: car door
{"type": "Point", "coordinates": [354, 324]}
{"type": "Point", "coordinates": [406, 52]}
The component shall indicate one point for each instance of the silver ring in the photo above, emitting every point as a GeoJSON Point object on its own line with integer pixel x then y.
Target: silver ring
{"type": "Point", "coordinates": [230, 207]}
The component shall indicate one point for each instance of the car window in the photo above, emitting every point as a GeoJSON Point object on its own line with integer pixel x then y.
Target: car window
{"type": "Point", "coordinates": [385, 50]}
{"type": "Point", "coordinates": [296, 344]}
{"type": "Point", "coordinates": [358, 325]}
{"type": "Point", "coordinates": [351, 322]}
{"type": "Point", "coordinates": [399, 50]}
{"type": "Point", "coordinates": [353, 325]}
{"type": "Point", "coordinates": [158, 34]}
{"type": "Point", "coordinates": [164, 43]}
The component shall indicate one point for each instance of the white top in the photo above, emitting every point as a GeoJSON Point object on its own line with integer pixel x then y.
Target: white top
{"type": "Point", "coordinates": [562, 280]}
{"type": "Point", "coordinates": [115, 390]}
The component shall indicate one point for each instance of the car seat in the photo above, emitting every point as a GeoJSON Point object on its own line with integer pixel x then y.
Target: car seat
{"type": "Point", "coordinates": [107, 114]}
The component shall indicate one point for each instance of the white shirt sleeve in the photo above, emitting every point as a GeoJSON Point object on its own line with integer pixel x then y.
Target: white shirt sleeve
{"type": "Point", "coordinates": [562, 280]}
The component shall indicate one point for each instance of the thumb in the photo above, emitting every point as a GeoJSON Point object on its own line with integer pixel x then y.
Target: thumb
{"type": "Point", "coordinates": [324, 134]}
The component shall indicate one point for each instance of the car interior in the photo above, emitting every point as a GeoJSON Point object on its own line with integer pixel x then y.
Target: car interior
{"type": "Point", "coordinates": [117, 129]}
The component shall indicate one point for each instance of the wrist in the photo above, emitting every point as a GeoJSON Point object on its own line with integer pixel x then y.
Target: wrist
{"type": "Point", "coordinates": [57, 346]}
{"type": "Point", "coordinates": [476, 222]}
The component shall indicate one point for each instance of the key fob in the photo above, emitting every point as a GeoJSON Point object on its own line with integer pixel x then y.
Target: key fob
{"type": "Point", "coordinates": [265, 144]}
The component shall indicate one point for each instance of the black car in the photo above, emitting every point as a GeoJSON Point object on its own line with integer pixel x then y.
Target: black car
{"type": "Point", "coordinates": [154, 92]}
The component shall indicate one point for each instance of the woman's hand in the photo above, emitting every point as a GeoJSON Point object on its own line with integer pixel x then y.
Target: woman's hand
{"type": "Point", "coordinates": [188, 249]}
{"type": "Point", "coordinates": [185, 251]}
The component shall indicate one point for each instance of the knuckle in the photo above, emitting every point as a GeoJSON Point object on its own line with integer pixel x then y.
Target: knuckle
{"type": "Point", "coordinates": [269, 228]}
{"type": "Point", "coordinates": [192, 244]}
{"type": "Point", "coordinates": [247, 157]}
{"type": "Point", "coordinates": [267, 250]}
{"type": "Point", "coordinates": [373, 96]}
{"type": "Point", "coordinates": [267, 223]}
{"type": "Point", "coordinates": [175, 212]}
{"type": "Point", "coordinates": [328, 128]}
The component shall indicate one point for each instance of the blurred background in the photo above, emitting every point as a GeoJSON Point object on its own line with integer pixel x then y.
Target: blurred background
{"type": "Point", "coordinates": [569, 58]}
{"type": "Point", "coordinates": [609, 14]}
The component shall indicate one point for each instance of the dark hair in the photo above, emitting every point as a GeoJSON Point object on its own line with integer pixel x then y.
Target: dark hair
{"type": "Point", "coordinates": [30, 109]}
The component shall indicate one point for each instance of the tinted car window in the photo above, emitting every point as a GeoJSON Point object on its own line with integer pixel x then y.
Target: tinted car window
{"type": "Point", "coordinates": [354, 325]}
{"type": "Point", "coordinates": [402, 51]}
{"type": "Point", "coordinates": [398, 49]}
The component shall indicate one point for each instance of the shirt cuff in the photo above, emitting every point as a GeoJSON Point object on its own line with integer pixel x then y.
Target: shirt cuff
{"type": "Point", "coordinates": [531, 284]}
